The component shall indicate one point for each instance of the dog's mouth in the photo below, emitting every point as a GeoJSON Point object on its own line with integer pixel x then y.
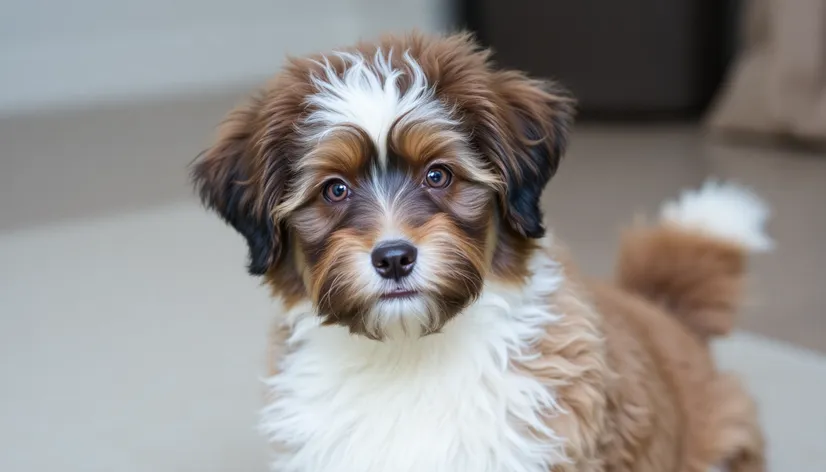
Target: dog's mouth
{"type": "Point", "coordinates": [399, 294]}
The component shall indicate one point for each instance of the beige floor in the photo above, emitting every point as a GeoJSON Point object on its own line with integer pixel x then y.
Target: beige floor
{"type": "Point", "coordinates": [132, 340]}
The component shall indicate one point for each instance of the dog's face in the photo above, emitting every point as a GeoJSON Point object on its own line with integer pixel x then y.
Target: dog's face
{"type": "Point", "coordinates": [387, 183]}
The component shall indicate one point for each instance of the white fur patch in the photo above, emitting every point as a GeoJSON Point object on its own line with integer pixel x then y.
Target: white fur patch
{"type": "Point", "coordinates": [725, 210]}
{"type": "Point", "coordinates": [449, 402]}
{"type": "Point", "coordinates": [367, 95]}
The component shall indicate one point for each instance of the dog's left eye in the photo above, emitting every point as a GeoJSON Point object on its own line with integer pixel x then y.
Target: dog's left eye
{"type": "Point", "coordinates": [336, 191]}
{"type": "Point", "coordinates": [438, 177]}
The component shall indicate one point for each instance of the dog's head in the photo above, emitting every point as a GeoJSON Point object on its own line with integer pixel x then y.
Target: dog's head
{"type": "Point", "coordinates": [387, 182]}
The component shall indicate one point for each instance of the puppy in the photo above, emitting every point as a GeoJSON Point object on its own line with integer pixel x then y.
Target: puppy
{"type": "Point", "coordinates": [389, 194]}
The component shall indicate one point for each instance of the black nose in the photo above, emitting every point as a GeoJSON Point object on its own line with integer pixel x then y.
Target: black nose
{"type": "Point", "coordinates": [394, 259]}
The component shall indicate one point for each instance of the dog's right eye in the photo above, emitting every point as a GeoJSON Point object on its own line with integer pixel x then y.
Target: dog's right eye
{"type": "Point", "coordinates": [438, 177]}
{"type": "Point", "coordinates": [336, 191]}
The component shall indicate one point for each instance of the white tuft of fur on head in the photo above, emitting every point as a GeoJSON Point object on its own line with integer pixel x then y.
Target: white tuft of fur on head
{"type": "Point", "coordinates": [367, 94]}
{"type": "Point", "coordinates": [724, 210]}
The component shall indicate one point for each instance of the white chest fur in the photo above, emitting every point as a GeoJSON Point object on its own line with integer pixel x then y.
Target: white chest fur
{"type": "Point", "coordinates": [450, 402]}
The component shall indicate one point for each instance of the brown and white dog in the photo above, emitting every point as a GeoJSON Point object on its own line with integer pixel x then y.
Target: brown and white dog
{"type": "Point", "coordinates": [389, 193]}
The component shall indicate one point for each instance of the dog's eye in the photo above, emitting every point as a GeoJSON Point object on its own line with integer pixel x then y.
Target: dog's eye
{"type": "Point", "coordinates": [438, 177]}
{"type": "Point", "coordinates": [336, 191]}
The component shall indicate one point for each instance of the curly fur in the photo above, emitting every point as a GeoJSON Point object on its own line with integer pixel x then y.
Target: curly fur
{"type": "Point", "coordinates": [504, 358]}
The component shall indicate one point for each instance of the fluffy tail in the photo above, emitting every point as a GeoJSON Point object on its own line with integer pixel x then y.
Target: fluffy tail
{"type": "Point", "coordinates": [694, 260]}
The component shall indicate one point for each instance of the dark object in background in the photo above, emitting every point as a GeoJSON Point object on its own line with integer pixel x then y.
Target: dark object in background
{"type": "Point", "coordinates": [635, 59]}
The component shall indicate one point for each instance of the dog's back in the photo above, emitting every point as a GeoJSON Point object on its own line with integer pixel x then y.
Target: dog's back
{"type": "Point", "coordinates": [678, 284]}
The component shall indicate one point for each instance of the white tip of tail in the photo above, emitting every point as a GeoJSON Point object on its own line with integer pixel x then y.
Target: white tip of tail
{"type": "Point", "coordinates": [724, 210]}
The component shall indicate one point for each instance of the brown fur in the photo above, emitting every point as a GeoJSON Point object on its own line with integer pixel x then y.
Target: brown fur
{"type": "Point", "coordinates": [640, 386]}
{"type": "Point", "coordinates": [700, 281]}
{"type": "Point", "coordinates": [629, 362]}
{"type": "Point", "coordinates": [639, 380]}
{"type": "Point", "coordinates": [517, 124]}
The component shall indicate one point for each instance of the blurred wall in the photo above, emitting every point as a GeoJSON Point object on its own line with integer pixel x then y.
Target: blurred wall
{"type": "Point", "coordinates": [56, 52]}
{"type": "Point", "coordinates": [637, 59]}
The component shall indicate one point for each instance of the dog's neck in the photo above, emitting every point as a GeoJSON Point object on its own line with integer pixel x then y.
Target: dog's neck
{"type": "Point", "coordinates": [404, 402]}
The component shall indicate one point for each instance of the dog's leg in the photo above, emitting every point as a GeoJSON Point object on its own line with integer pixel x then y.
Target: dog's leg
{"type": "Point", "coordinates": [737, 443]}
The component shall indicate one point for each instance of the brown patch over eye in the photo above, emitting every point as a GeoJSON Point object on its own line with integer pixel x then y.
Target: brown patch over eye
{"type": "Point", "coordinates": [336, 191]}
{"type": "Point", "coordinates": [438, 176]}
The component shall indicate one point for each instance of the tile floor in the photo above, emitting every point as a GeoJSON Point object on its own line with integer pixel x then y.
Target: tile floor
{"type": "Point", "coordinates": [132, 340]}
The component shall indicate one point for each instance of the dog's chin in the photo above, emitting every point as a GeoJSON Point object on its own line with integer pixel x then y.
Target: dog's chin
{"type": "Point", "coordinates": [400, 314]}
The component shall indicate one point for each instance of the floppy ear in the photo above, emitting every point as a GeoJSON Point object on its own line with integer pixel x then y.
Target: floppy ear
{"type": "Point", "coordinates": [536, 117]}
{"type": "Point", "coordinates": [230, 178]}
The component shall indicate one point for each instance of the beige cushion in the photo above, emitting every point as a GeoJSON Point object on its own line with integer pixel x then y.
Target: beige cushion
{"type": "Point", "coordinates": [777, 85]}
